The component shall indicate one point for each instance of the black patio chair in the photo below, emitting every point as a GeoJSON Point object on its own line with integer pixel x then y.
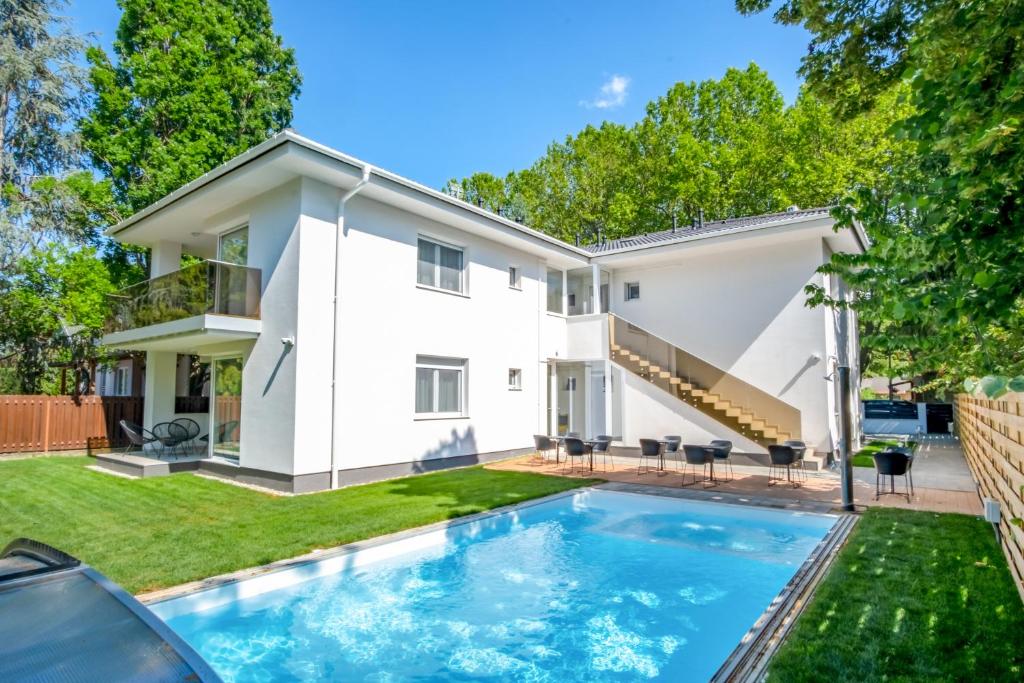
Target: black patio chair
{"type": "Point", "coordinates": [649, 448]}
{"type": "Point", "coordinates": [575, 448]}
{"type": "Point", "coordinates": [545, 445]}
{"type": "Point", "coordinates": [800, 449]}
{"type": "Point", "coordinates": [138, 436]}
{"type": "Point", "coordinates": [779, 456]}
{"type": "Point", "coordinates": [722, 450]}
{"type": "Point", "coordinates": [170, 435]}
{"type": "Point", "coordinates": [192, 427]}
{"type": "Point", "coordinates": [600, 445]}
{"type": "Point", "coordinates": [672, 444]}
{"type": "Point", "coordinates": [892, 464]}
{"type": "Point", "coordinates": [695, 456]}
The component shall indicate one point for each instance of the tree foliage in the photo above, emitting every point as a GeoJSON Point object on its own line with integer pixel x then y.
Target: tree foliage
{"type": "Point", "coordinates": [40, 98]}
{"type": "Point", "coordinates": [727, 147]}
{"type": "Point", "coordinates": [195, 83]}
{"type": "Point", "coordinates": [54, 309]}
{"type": "Point", "coordinates": [945, 277]}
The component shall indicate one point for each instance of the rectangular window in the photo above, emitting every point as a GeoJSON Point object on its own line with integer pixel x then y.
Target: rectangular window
{"type": "Point", "coordinates": [234, 246]}
{"type": "Point", "coordinates": [514, 280]}
{"type": "Point", "coordinates": [632, 291]}
{"type": "Point", "coordinates": [554, 291]}
{"type": "Point", "coordinates": [440, 385]}
{"type": "Point", "coordinates": [121, 382]}
{"type": "Point", "coordinates": [439, 265]}
{"type": "Point", "coordinates": [515, 379]}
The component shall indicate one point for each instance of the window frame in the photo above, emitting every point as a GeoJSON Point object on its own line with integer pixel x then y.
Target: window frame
{"type": "Point", "coordinates": [515, 379]}
{"type": "Point", "coordinates": [628, 287]}
{"type": "Point", "coordinates": [515, 278]}
{"type": "Point", "coordinates": [549, 271]}
{"type": "Point", "coordinates": [227, 234]}
{"type": "Point", "coordinates": [122, 382]}
{"type": "Point", "coordinates": [437, 364]}
{"type": "Point", "coordinates": [435, 285]}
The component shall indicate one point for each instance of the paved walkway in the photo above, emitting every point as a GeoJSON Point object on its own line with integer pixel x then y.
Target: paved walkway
{"type": "Point", "coordinates": [942, 482]}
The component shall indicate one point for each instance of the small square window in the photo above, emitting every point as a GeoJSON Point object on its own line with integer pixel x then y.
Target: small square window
{"type": "Point", "coordinates": [514, 278]}
{"type": "Point", "coordinates": [632, 291]}
{"type": "Point", "coordinates": [515, 379]}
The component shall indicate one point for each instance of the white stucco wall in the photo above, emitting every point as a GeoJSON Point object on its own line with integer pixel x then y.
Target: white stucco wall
{"type": "Point", "coordinates": [268, 377]}
{"type": "Point", "coordinates": [741, 307]}
{"type": "Point", "coordinates": [387, 320]}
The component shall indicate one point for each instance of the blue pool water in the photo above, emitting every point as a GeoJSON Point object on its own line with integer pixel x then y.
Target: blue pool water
{"type": "Point", "coordinates": [593, 586]}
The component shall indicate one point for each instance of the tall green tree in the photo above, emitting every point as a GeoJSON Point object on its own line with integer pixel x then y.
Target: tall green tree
{"type": "Point", "coordinates": [194, 83]}
{"type": "Point", "coordinates": [727, 147]}
{"type": "Point", "coordinates": [41, 94]}
{"type": "Point", "coordinates": [946, 271]}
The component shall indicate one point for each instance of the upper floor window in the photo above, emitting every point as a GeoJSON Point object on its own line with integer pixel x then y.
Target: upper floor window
{"type": "Point", "coordinates": [555, 291]}
{"type": "Point", "coordinates": [515, 278]}
{"type": "Point", "coordinates": [440, 265]}
{"type": "Point", "coordinates": [515, 379]}
{"type": "Point", "coordinates": [632, 291]}
{"type": "Point", "coordinates": [234, 246]}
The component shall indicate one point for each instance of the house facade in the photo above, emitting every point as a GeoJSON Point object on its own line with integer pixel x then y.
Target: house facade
{"type": "Point", "coordinates": [360, 326]}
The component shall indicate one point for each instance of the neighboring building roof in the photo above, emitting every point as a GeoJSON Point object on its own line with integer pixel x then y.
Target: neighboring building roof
{"type": "Point", "coordinates": [709, 229]}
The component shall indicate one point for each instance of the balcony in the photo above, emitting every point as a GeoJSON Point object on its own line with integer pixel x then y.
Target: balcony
{"type": "Point", "coordinates": [209, 302]}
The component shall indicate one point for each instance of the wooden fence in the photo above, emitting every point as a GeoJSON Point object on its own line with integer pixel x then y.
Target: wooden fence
{"type": "Point", "coordinates": [992, 436]}
{"type": "Point", "coordinates": [38, 424]}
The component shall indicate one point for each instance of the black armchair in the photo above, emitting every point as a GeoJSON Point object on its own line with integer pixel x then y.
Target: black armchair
{"type": "Point", "coordinates": [892, 464]}
{"type": "Point", "coordinates": [722, 451]}
{"type": "Point", "coordinates": [545, 445]}
{"type": "Point", "coordinates": [575, 448]}
{"type": "Point", "coordinates": [138, 436]}
{"type": "Point", "coordinates": [780, 456]}
{"type": "Point", "coordinates": [649, 448]}
{"type": "Point", "coordinates": [702, 456]}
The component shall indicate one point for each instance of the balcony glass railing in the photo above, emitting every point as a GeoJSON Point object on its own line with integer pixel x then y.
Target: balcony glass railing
{"type": "Point", "coordinates": [204, 287]}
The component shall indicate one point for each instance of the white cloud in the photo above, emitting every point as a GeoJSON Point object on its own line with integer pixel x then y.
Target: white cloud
{"type": "Point", "coordinates": [613, 94]}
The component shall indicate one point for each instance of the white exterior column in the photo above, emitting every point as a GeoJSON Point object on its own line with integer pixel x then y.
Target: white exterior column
{"type": "Point", "coordinates": [164, 257]}
{"type": "Point", "coordinates": [595, 299]}
{"type": "Point", "coordinates": [553, 418]}
{"type": "Point", "coordinates": [609, 387]}
{"type": "Point", "coordinates": [161, 373]}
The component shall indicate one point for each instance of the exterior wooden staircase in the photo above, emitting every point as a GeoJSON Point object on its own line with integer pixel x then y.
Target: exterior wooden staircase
{"type": "Point", "coordinates": [741, 407]}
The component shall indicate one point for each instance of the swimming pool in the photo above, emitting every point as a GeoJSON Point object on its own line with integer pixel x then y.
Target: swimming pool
{"type": "Point", "coordinates": [594, 585]}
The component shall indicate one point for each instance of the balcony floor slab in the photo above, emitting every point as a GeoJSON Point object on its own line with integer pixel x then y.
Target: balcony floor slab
{"type": "Point", "coordinates": [185, 335]}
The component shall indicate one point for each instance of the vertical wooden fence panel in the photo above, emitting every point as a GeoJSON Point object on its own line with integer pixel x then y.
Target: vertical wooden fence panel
{"type": "Point", "coordinates": [992, 436]}
{"type": "Point", "coordinates": [30, 424]}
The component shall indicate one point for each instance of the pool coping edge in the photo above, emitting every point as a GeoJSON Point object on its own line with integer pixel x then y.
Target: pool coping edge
{"type": "Point", "coordinates": [748, 662]}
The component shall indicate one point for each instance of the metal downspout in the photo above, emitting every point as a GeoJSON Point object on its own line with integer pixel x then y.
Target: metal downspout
{"type": "Point", "coordinates": [335, 361]}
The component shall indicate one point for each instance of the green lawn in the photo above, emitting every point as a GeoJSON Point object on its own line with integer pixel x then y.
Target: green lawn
{"type": "Point", "coordinates": [913, 596]}
{"type": "Point", "coordinates": [153, 533]}
{"type": "Point", "coordinates": [863, 457]}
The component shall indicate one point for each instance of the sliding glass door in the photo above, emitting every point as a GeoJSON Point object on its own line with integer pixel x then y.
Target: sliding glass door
{"type": "Point", "coordinates": [226, 413]}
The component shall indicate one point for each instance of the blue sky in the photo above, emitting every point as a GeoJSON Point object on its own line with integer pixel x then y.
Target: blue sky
{"type": "Point", "coordinates": [440, 90]}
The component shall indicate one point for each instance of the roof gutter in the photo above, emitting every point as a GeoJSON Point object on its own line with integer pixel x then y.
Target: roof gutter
{"type": "Point", "coordinates": [336, 348]}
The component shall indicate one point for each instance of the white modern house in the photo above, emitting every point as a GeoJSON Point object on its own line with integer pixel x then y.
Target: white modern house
{"type": "Point", "coordinates": [359, 326]}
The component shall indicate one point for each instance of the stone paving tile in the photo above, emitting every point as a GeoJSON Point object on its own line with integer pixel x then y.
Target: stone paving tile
{"type": "Point", "coordinates": [821, 487]}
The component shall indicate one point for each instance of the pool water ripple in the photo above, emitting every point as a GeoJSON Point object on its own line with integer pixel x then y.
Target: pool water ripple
{"type": "Point", "coordinates": [596, 586]}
